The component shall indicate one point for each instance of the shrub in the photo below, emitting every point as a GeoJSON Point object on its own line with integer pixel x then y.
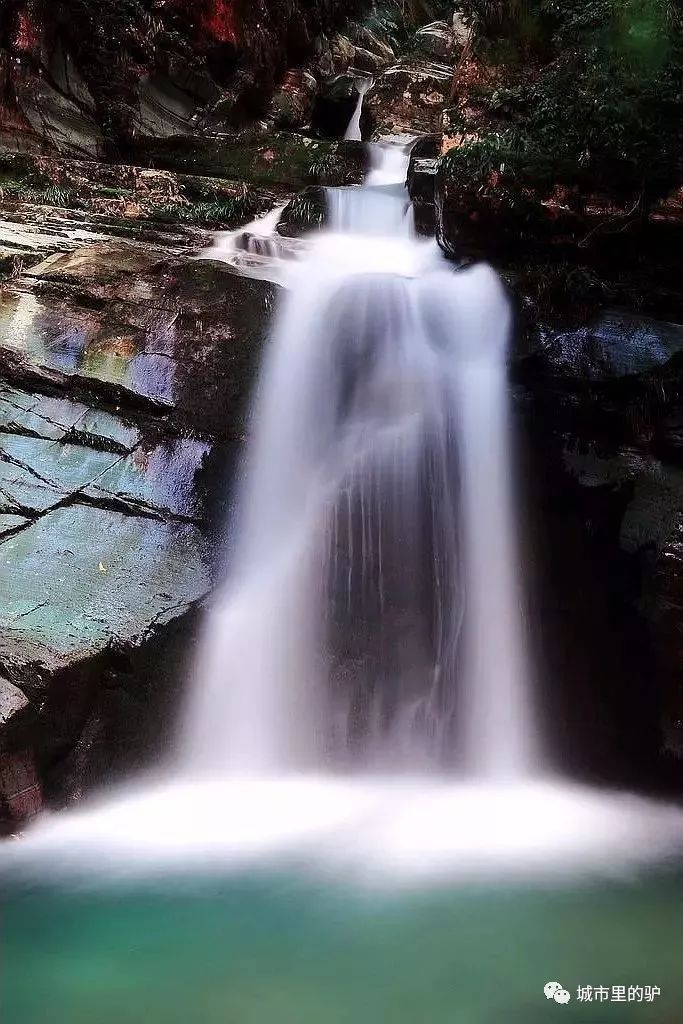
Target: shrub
{"type": "Point", "coordinates": [603, 107]}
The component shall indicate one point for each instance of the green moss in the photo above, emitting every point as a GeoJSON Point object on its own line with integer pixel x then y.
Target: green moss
{"type": "Point", "coordinates": [277, 160]}
{"type": "Point", "coordinates": [113, 193]}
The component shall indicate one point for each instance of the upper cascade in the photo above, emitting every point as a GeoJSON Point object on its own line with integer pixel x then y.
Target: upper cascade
{"type": "Point", "coordinates": [382, 205]}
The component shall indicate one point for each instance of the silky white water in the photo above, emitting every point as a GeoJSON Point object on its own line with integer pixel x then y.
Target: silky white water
{"type": "Point", "coordinates": [353, 132]}
{"type": "Point", "coordinates": [372, 615]}
{"type": "Point", "coordinates": [258, 237]}
{"type": "Point", "coordinates": [364, 699]}
{"type": "Point", "coordinates": [378, 830]}
{"type": "Point", "coordinates": [256, 249]}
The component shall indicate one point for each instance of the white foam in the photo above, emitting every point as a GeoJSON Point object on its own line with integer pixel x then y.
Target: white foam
{"type": "Point", "coordinates": [377, 830]}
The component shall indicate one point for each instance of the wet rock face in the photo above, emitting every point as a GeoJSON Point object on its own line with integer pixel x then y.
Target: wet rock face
{"type": "Point", "coordinates": [133, 340]}
{"type": "Point", "coordinates": [292, 103]}
{"type": "Point", "coordinates": [600, 404]}
{"type": "Point", "coordinates": [280, 159]}
{"type": "Point", "coordinates": [124, 379]}
{"type": "Point", "coordinates": [335, 104]}
{"type": "Point", "coordinates": [421, 186]}
{"type": "Point", "coordinates": [437, 40]}
{"type": "Point", "coordinates": [408, 96]}
{"type": "Point", "coordinates": [87, 76]}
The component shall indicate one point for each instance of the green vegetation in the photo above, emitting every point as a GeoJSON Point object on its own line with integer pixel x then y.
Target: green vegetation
{"type": "Point", "coordinates": [592, 97]}
{"type": "Point", "coordinates": [324, 169]}
{"type": "Point", "coordinates": [396, 20]}
{"type": "Point", "coordinates": [24, 191]}
{"type": "Point", "coordinates": [193, 202]}
{"type": "Point", "coordinates": [231, 210]}
{"type": "Point", "coordinates": [306, 211]}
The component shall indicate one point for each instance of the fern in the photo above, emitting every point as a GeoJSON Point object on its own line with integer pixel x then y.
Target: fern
{"type": "Point", "coordinates": [50, 195]}
{"type": "Point", "coordinates": [322, 168]}
{"type": "Point", "coordinates": [306, 211]}
{"type": "Point", "coordinates": [55, 195]}
{"type": "Point", "coordinates": [232, 210]}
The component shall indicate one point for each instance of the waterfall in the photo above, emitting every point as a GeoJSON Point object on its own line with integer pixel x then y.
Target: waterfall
{"type": "Point", "coordinates": [257, 238]}
{"type": "Point", "coordinates": [353, 132]}
{"type": "Point", "coordinates": [372, 614]}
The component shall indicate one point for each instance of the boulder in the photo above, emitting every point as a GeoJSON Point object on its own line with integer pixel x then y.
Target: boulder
{"type": "Point", "coordinates": [124, 378]}
{"type": "Point", "coordinates": [12, 701]}
{"type": "Point", "coordinates": [599, 402]}
{"type": "Point", "coordinates": [367, 62]}
{"type": "Point", "coordinates": [292, 103]}
{"type": "Point", "coordinates": [436, 40]}
{"type": "Point", "coordinates": [408, 96]}
{"type": "Point", "coordinates": [343, 52]}
{"type": "Point", "coordinates": [616, 344]}
{"type": "Point", "coordinates": [373, 40]}
{"type": "Point", "coordinates": [359, 48]}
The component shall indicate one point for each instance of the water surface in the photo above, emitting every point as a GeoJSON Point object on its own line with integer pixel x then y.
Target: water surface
{"type": "Point", "coordinates": [261, 947]}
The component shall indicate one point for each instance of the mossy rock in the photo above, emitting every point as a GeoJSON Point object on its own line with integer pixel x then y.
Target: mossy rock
{"type": "Point", "coordinates": [279, 159]}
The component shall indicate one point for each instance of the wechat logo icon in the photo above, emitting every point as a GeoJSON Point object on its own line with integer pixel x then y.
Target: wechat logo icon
{"type": "Point", "coordinates": [553, 990]}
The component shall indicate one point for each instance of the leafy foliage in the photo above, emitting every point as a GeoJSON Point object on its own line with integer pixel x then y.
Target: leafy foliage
{"type": "Point", "coordinates": [22, 191]}
{"type": "Point", "coordinates": [231, 210]}
{"type": "Point", "coordinates": [324, 169]}
{"type": "Point", "coordinates": [605, 106]}
{"type": "Point", "coordinates": [306, 210]}
{"type": "Point", "coordinates": [397, 20]}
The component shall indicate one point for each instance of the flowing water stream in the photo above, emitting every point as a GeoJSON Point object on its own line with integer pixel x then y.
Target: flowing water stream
{"type": "Point", "coordinates": [359, 824]}
{"type": "Point", "coordinates": [353, 132]}
{"type": "Point", "coordinates": [373, 613]}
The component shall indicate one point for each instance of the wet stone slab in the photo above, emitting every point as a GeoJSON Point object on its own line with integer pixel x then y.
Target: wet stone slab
{"type": "Point", "coordinates": [103, 262]}
{"type": "Point", "coordinates": [11, 523]}
{"type": "Point", "coordinates": [59, 419]}
{"type": "Point", "coordinates": [125, 373]}
{"type": "Point", "coordinates": [80, 578]}
{"type": "Point", "coordinates": [159, 480]}
{"type": "Point", "coordinates": [174, 335]}
{"type": "Point", "coordinates": [36, 474]}
{"type": "Point", "coordinates": [37, 415]}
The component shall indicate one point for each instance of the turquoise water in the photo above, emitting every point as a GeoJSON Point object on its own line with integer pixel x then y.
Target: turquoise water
{"type": "Point", "coordinates": [276, 949]}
